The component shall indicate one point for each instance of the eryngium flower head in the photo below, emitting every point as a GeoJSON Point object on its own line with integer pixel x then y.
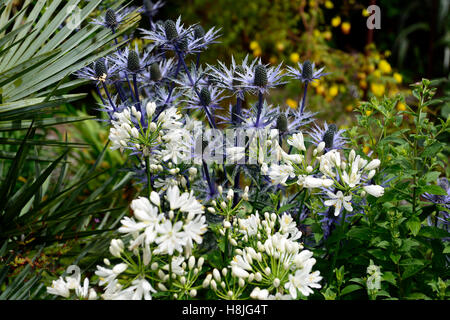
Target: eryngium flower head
{"type": "Point", "coordinates": [199, 32]}
{"type": "Point", "coordinates": [260, 78]}
{"type": "Point", "coordinates": [205, 96]}
{"type": "Point", "coordinates": [133, 61]}
{"type": "Point", "coordinates": [100, 68]}
{"type": "Point", "coordinates": [336, 141]}
{"type": "Point", "coordinates": [329, 135]}
{"type": "Point", "coordinates": [155, 72]}
{"type": "Point", "coordinates": [170, 30]}
{"type": "Point", "coordinates": [113, 18]}
{"type": "Point", "coordinates": [282, 123]}
{"type": "Point", "coordinates": [306, 72]}
{"type": "Point", "coordinates": [110, 18]}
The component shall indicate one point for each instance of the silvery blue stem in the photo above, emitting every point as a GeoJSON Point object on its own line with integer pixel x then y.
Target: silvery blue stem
{"type": "Point", "coordinates": [99, 93]}
{"type": "Point", "coordinates": [304, 98]}
{"type": "Point", "coordinates": [208, 178]}
{"type": "Point", "coordinates": [120, 91]}
{"type": "Point", "coordinates": [109, 96]}
{"type": "Point", "coordinates": [136, 92]}
{"type": "Point", "coordinates": [208, 114]}
{"type": "Point", "coordinates": [260, 103]}
{"type": "Point", "coordinates": [238, 110]}
{"type": "Point", "coordinates": [198, 61]}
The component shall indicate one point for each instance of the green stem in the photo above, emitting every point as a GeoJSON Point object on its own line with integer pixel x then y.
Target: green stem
{"type": "Point", "coordinates": [341, 232]}
{"type": "Point", "coordinates": [149, 176]}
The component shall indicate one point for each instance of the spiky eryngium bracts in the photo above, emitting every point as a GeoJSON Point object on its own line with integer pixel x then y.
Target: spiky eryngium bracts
{"type": "Point", "coordinates": [112, 19]}
{"type": "Point", "coordinates": [259, 78]}
{"type": "Point", "coordinates": [305, 72]}
{"type": "Point", "coordinates": [173, 36]}
{"type": "Point", "coordinates": [139, 62]}
{"type": "Point", "coordinates": [334, 141]}
{"type": "Point", "coordinates": [229, 78]}
{"type": "Point", "coordinates": [296, 121]}
{"type": "Point", "coordinates": [101, 70]}
{"type": "Point", "coordinates": [209, 97]}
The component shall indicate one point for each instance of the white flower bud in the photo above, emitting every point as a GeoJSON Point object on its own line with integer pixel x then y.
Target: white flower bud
{"type": "Point", "coordinates": [309, 169]}
{"type": "Point", "coordinates": [200, 262]}
{"type": "Point", "coordinates": [134, 132]}
{"type": "Point", "coordinates": [106, 262]}
{"type": "Point", "coordinates": [216, 275]}
{"type": "Point", "coordinates": [371, 174]}
{"type": "Point", "coordinates": [192, 171]}
{"type": "Point", "coordinates": [154, 197]}
{"type": "Point", "coordinates": [183, 280]}
{"type": "Point", "coordinates": [191, 262]}
{"type": "Point", "coordinates": [258, 276]}
{"type": "Point", "coordinates": [276, 282]}
{"type": "Point", "coordinates": [241, 283]}
{"type": "Point", "coordinates": [121, 267]}
{"type": "Point", "coordinates": [116, 247]}
{"type": "Point", "coordinates": [152, 127]}
{"type": "Point", "coordinates": [374, 190]}
{"type": "Point", "coordinates": [320, 147]}
{"type": "Point", "coordinates": [220, 189]}
{"type": "Point", "coordinates": [375, 163]}
{"type": "Point", "coordinates": [162, 287]}
{"type": "Point", "coordinates": [150, 108]}
{"type": "Point", "coordinates": [154, 266]}
{"type": "Point", "coordinates": [193, 293]}
{"type": "Point", "coordinates": [230, 194]}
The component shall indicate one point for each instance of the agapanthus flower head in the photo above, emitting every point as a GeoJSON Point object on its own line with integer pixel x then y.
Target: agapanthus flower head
{"type": "Point", "coordinates": [112, 19]}
{"type": "Point", "coordinates": [329, 134]}
{"type": "Point", "coordinates": [305, 72]}
{"type": "Point", "coordinates": [259, 78]}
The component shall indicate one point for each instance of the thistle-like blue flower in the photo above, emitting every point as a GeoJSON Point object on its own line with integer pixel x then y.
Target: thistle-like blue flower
{"type": "Point", "coordinates": [259, 78]}
{"type": "Point", "coordinates": [305, 72]}
{"type": "Point", "coordinates": [112, 19]}
{"type": "Point", "coordinates": [329, 134]}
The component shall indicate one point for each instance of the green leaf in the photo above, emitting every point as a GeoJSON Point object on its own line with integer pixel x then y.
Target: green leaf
{"type": "Point", "coordinates": [414, 225]}
{"type": "Point", "coordinates": [350, 288]}
{"type": "Point", "coordinates": [433, 189]}
{"type": "Point", "coordinates": [433, 232]}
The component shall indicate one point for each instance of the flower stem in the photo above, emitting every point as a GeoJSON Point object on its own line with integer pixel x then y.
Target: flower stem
{"type": "Point", "coordinates": [109, 96]}
{"type": "Point", "coordinates": [341, 233]}
{"type": "Point", "coordinates": [260, 103]}
{"type": "Point", "coordinates": [304, 98]}
{"type": "Point", "coordinates": [149, 175]}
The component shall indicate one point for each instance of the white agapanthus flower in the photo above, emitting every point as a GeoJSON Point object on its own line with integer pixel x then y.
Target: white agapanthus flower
{"type": "Point", "coordinates": [338, 200]}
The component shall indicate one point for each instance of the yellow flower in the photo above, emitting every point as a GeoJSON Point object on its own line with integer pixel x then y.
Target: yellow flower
{"type": "Point", "coordinates": [368, 112]}
{"type": "Point", "coordinates": [384, 66]}
{"type": "Point", "coordinates": [377, 89]}
{"type": "Point", "coordinates": [387, 53]}
{"type": "Point", "coordinates": [336, 21]}
{"type": "Point", "coordinates": [295, 57]}
{"type": "Point", "coordinates": [320, 89]}
{"type": "Point", "coordinates": [315, 83]}
{"type": "Point", "coordinates": [257, 52]}
{"type": "Point", "coordinates": [292, 103]}
{"type": "Point", "coordinates": [312, 3]}
{"type": "Point", "coordinates": [377, 73]}
{"type": "Point", "coordinates": [280, 46]}
{"type": "Point", "coordinates": [254, 45]}
{"type": "Point", "coordinates": [333, 91]}
{"type": "Point", "coordinates": [345, 27]}
{"type": "Point", "coordinates": [365, 13]}
{"type": "Point", "coordinates": [398, 77]}
{"type": "Point", "coordinates": [329, 4]}
{"type": "Point", "coordinates": [316, 33]}
{"type": "Point", "coordinates": [327, 35]}
{"type": "Point", "coordinates": [366, 149]}
{"type": "Point", "coordinates": [349, 108]}
{"type": "Point", "coordinates": [401, 106]}
{"type": "Point", "coordinates": [363, 84]}
{"type": "Point", "coordinates": [273, 60]}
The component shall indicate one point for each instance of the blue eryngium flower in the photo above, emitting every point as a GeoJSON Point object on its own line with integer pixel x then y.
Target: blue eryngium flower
{"type": "Point", "coordinates": [329, 134]}
{"type": "Point", "coordinates": [442, 218]}
{"type": "Point", "coordinates": [139, 63]}
{"type": "Point", "coordinates": [305, 72]}
{"type": "Point", "coordinates": [258, 78]}
{"type": "Point", "coordinates": [112, 19]}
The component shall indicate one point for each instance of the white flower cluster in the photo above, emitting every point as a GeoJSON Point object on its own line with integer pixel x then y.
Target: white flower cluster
{"type": "Point", "coordinates": [156, 251]}
{"type": "Point", "coordinates": [64, 285]}
{"type": "Point", "coordinates": [374, 278]}
{"type": "Point", "coordinates": [271, 262]}
{"type": "Point", "coordinates": [349, 179]}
